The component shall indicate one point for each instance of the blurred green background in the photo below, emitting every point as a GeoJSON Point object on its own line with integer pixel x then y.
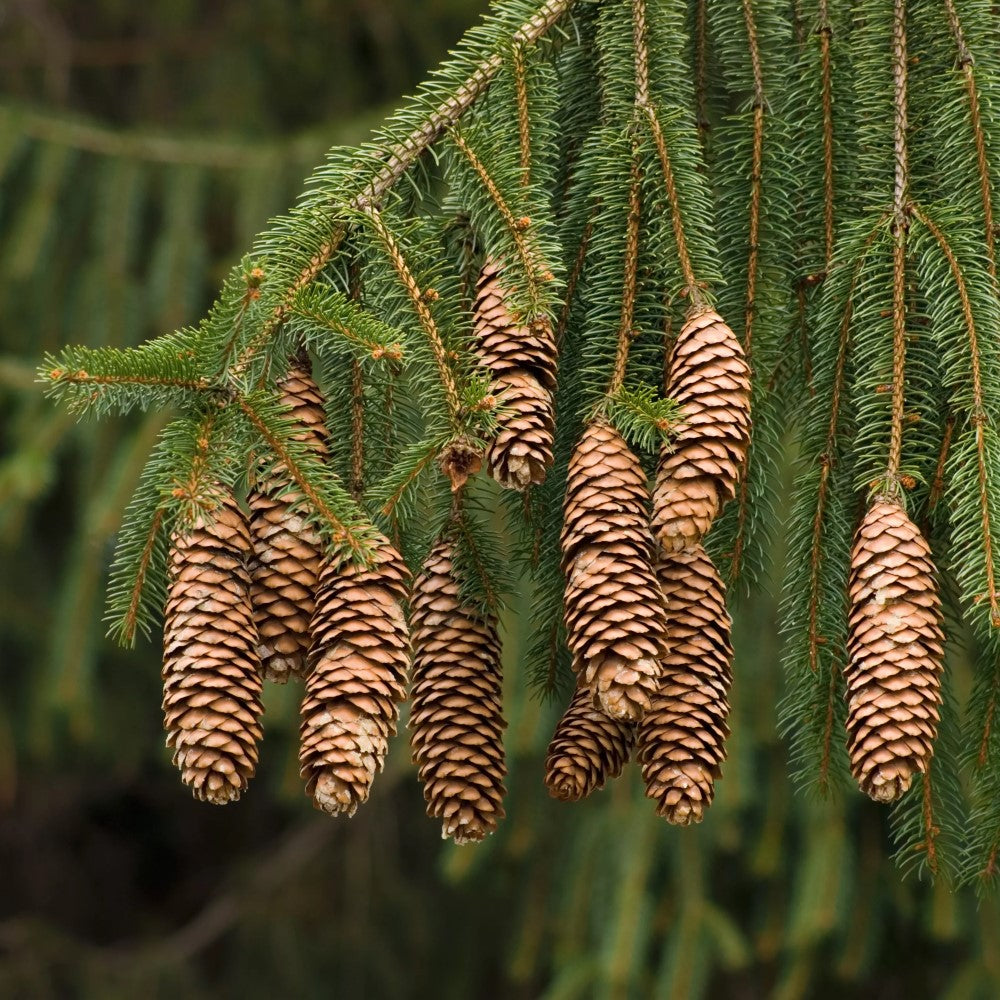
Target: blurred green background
{"type": "Point", "coordinates": [141, 148]}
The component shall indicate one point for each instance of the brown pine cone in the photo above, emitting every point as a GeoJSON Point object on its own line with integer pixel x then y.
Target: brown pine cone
{"type": "Point", "coordinates": [895, 653]}
{"type": "Point", "coordinates": [682, 737]}
{"type": "Point", "coordinates": [521, 360]}
{"type": "Point", "coordinates": [211, 670]}
{"type": "Point", "coordinates": [586, 750]}
{"type": "Point", "coordinates": [616, 628]}
{"type": "Point", "coordinates": [287, 550]}
{"type": "Point", "coordinates": [700, 467]}
{"type": "Point", "coordinates": [456, 716]}
{"type": "Point", "coordinates": [359, 658]}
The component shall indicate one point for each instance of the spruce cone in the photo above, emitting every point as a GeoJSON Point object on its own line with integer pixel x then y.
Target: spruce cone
{"type": "Point", "coordinates": [895, 653]}
{"type": "Point", "coordinates": [586, 750]}
{"type": "Point", "coordinates": [613, 607]}
{"type": "Point", "coordinates": [700, 467]}
{"type": "Point", "coordinates": [359, 658]}
{"type": "Point", "coordinates": [456, 717]}
{"type": "Point", "coordinates": [522, 364]}
{"type": "Point", "coordinates": [211, 670]}
{"type": "Point", "coordinates": [287, 551]}
{"type": "Point", "coordinates": [682, 737]}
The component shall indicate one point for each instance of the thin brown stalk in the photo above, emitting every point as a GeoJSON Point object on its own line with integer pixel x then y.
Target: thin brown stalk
{"type": "Point", "coordinates": [393, 352]}
{"type": "Point", "coordinates": [419, 302]}
{"type": "Point", "coordinates": [357, 431]}
{"type": "Point", "coordinates": [81, 377]}
{"type": "Point", "coordinates": [626, 322]}
{"type": "Point", "coordinates": [826, 70]}
{"type": "Point", "coordinates": [991, 706]}
{"type": "Point", "coordinates": [390, 505]}
{"type": "Point", "coordinates": [828, 727]}
{"type": "Point", "coordinates": [131, 616]}
{"type": "Point", "coordinates": [401, 157]}
{"type": "Point", "coordinates": [516, 227]}
{"type": "Point", "coordinates": [937, 486]}
{"type": "Point", "coordinates": [931, 831]}
{"type": "Point", "coordinates": [966, 64]}
{"type": "Point", "coordinates": [523, 114]}
{"type": "Point", "coordinates": [978, 416]}
{"type": "Point", "coordinates": [571, 282]}
{"type": "Point", "coordinates": [701, 69]}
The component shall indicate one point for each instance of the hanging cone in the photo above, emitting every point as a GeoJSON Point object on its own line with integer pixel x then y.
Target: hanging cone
{"type": "Point", "coordinates": [287, 550]}
{"type": "Point", "coordinates": [522, 364]}
{"type": "Point", "coordinates": [895, 653]}
{"type": "Point", "coordinates": [211, 671]}
{"type": "Point", "coordinates": [359, 658]}
{"type": "Point", "coordinates": [456, 716]}
{"type": "Point", "coordinates": [700, 467]}
{"type": "Point", "coordinates": [682, 737]}
{"type": "Point", "coordinates": [586, 750]}
{"type": "Point", "coordinates": [616, 629]}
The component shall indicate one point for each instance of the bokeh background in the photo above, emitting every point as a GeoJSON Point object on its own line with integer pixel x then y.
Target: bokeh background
{"type": "Point", "coordinates": [141, 148]}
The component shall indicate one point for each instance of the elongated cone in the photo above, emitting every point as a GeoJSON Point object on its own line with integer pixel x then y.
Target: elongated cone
{"type": "Point", "coordinates": [287, 550]}
{"type": "Point", "coordinates": [359, 659]}
{"type": "Point", "coordinates": [616, 628]}
{"type": "Point", "coordinates": [211, 670]}
{"type": "Point", "coordinates": [456, 716]}
{"type": "Point", "coordinates": [700, 467]}
{"type": "Point", "coordinates": [521, 360]}
{"type": "Point", "coordinates": [682, 737]}
{"type": "Point", "coordinates": [586, 750]}
{"type": "Point", "coordinates": [895, 653]}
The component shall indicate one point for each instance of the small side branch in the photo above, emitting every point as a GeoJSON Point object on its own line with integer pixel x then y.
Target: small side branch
{"type": "Point", "coordinates": [826, 71]}
{"type": "Point", "coordinates": [81, 377]}
{"type": "Point", "coordinates": [523, 113]}
{"type": "Point", "coordinates": [130, 619]}
{"type": "Point", "coordinates": [626, 322]}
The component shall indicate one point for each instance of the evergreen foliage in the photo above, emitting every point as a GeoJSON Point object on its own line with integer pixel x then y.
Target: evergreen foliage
{"type": "Point", "coordinates": [831, 190]}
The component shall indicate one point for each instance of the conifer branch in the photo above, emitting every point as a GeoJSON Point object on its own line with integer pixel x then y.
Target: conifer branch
{"type": "Point", "coordinates": [418, 300]}
{"type": "Point", "coordinates": [81, 377]}
{"type": "Point", "coordinates": [516, 227]}
{"type": "Point", "coordinates": [701, 69]}
{"type": "Point", "coordinates": [978, 417]}
{"type": "Point", "coordinates": [937, 484]}
{"type": "Point", "coordinates": [965, 63]}
{"type": "Point", "coordinates": [630, 280]}
{"type": "Point", "coordinates": [900, 192]}
{"type": "Point", "coordinates": [931, 831]}
{"type": "Point", "coordinates": [357, 431]}
{"type": "Point", "coordinates": [826, 70]}
{"type": "Point", "coordinates": [127, 628]}
{"type": "Point", "coordinates": [523, 114]}
{"type": "Point", "coordinates": [572, 281]}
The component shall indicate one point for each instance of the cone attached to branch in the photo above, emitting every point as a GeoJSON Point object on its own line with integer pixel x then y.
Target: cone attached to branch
{"type": "Point", "coordinates": [682, 737]}
{"type": "Point", "coordinates": [586, 750]}
{"type": "Point", "coordinates": [700, 468]}
{"type": "Point", "coordinates": [287, 550]}
{"type": "Point", "coordinates": [211, 669]}
{"type": "Point", "coordinates": [359, 659]}
{"type": "Point", "coordinates": [895, 653]}
{"type": "Point", "coordinates": [456, 716]}
{"type": "Point", "coordinates": [616, 629]}
{"type": "Point", "coordinates": [521, 359]}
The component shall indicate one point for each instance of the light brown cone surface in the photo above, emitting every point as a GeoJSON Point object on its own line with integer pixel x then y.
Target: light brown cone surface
{"type": "Point", "coordinates": [287, 550]}
{"type": "Point", "coordinates": [586, 750]}
{"type": "Point", "coordinates": [521, 360]}
{"type": "Point", "coordinates": [359, 659]}
{"type": "Point", "coordinates": [682, 737]}
{"type": "Point", "coordinates": [895, 653]}
{"type": "Point", "coordinates": [456, 716]}
{"type": "Point", "coordinates": [616, 628]}
{"type": "Point", "coordinates": [211, 670]}
{"type": "Point", "coordinates": [701, 466]}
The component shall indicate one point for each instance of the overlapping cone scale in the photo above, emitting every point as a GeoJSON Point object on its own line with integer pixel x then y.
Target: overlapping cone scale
{"type": "Point", "coordinates": [587, 749]}
{"type": "Point", "coordinates": [700, 467]}
{"type": "Point", "coordinates": [616, 629]}
{"type": "Point", "coordinates": [211, 669]}
{"type": "Point", "coordinates": [359, 660]}
{"type": "Point", "coordinates": [682, 738]}
{"type": "Point", "coordinates": [286, 550]}
{"type": "Point", "coordinates": [895, 653]}
{"type": "Point", "coordinates": [456, 715]}
{"type": "Point", "coordinates": [521, 361]}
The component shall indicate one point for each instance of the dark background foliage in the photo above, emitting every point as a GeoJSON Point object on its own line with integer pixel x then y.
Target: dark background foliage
{"type": "Point", "coordinates": [141, 147]}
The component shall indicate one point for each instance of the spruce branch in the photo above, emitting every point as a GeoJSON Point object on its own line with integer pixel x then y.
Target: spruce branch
{"type": "Point", "coordinates": [523, 113]}
{"type": "Point", "coordinates": [825, 31]}
{"type": "Point", "coordinates": [626, 322]}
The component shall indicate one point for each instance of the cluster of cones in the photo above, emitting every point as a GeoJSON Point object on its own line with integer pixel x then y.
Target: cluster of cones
{"type": "Point", "coordinates": [255, 598]}
{"type": "Point", "coordinates": [645, 609]}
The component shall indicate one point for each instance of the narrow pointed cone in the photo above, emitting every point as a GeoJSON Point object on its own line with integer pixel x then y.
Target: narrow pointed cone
{"type": "Point", "coordinates": [616, 628]}
{"type": "Point", "coordinates": [360, 656]}
{"type": "Point", "coordinates": [895, 653]}
{"type": "Point", "coordinates": [682, 737]}
{"type": "Point", "coordinates": [456, 715]}
{"type": "Point", "coordinates": [587, 749]}
{"type": "Point", "coordinates": [211, 670]}
{"type": "Point", "coordinates": [702, 464]}
{"type": "Point", "coordinates": [287, 550]}
{"type": "Point", "coordinates": [521, 361]}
